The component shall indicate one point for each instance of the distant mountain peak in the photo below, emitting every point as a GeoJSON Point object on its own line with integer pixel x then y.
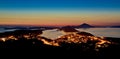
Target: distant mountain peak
{"type": "Point", "coordinates": [85, 25]}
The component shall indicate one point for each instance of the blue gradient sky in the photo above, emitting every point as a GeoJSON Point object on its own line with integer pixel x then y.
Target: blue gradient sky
{"type": "Point", "coordinates": [100, 4]}
{"type": "Point", "coordinates": [60, 12]}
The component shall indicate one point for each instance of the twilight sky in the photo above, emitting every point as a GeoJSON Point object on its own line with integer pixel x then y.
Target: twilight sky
{"type": "Point", "coordinates": [60, 12]}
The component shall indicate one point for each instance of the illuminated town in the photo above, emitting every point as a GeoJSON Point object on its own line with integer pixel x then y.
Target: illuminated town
{"type": "Point", "coordinates": [75, 38]}
{"type": "Point", "coordinates": [71, 43]}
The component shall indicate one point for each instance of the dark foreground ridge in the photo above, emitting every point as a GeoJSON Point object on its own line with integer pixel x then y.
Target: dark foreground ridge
{"type": "Point", "coordinates": [78, 45]}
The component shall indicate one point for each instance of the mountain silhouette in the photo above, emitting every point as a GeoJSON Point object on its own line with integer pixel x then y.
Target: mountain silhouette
{"type": "Point", "coordinates": [68, 29]}
{"type": "Point", "coordinates": [85, 25]}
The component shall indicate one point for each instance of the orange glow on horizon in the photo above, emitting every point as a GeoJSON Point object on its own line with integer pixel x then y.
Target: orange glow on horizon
{"type": "Point", "coordinates": [62, 18]}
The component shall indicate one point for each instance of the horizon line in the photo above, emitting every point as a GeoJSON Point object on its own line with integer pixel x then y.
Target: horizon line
{"type": "Point", "coordinates": [51, 25]}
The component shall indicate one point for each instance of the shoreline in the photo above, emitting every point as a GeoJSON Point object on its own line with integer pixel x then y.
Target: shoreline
{"type": "Point", "coordinates": [63, 46]}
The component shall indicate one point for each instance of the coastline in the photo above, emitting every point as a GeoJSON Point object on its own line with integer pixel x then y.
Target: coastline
{"type": "Point", "coordinates": [63, 47]}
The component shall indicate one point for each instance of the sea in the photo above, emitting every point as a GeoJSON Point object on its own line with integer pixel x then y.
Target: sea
{"type": "Point", "coordinates": [55, 33]}
{"type": "Point", "coordinates": [101, 32]}
{"type": "Point", "coordinates": [106, 32]}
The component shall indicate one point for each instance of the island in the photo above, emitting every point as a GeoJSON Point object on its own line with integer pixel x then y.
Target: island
{"type": "Point", "coordinates": [73, 44]}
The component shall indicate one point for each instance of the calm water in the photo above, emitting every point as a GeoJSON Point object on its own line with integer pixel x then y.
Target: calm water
{"type": "Point", "coordinates": [3, 30]}
{"type": "Point", "coordinates": [53, 34]}
{"type": "Point", "coordinates": [106, 32]}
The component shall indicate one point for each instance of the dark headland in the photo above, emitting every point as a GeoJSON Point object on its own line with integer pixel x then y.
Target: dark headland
{"type": "Point", "coordinates": [80, 45]}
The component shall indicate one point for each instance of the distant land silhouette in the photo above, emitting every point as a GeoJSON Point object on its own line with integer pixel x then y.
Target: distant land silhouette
{"type": "Point", "coordinates": [84, 25]}
{"type": "Point", "coordinates": [68, 29]}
